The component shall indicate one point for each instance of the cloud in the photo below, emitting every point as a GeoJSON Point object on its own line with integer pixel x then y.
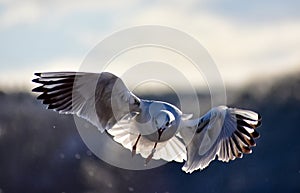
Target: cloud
{"type": "Point", "coordinates": [19, 78]}
{"type": "Point", "coordinates": [15, 13]}
{"type": "Point", "coordinates": [256, 11]}
{"type": "Point", "coordinates": [241, 50]}
{"type": "Point", "coordinates": [33, 11]}
{"type": "Point", "coordinates": [242, 38]}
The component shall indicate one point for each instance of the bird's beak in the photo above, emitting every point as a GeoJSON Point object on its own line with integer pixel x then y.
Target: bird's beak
{"type": "Point", "coordinates": [160, 131]}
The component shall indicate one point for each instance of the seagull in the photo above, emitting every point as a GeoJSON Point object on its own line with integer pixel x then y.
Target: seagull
{"type": "Point", "coordinates": [154, 129]}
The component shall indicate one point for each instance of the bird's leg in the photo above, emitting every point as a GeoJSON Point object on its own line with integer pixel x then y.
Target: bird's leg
{"type": "Point", "coordinates": [151, 154]}
{"type": "Point", "coordinates": [154, 148]}
{"type": "Point", "coordinates": [133, 152]}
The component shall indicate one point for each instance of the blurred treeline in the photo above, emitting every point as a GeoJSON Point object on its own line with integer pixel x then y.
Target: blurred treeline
{"type": "Point", "coordinates": [42, 151]}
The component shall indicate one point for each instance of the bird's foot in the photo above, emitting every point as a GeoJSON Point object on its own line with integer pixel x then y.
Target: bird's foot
{"type": "Point", "coordinates": [150, 157]}
{"type": "Point", "coordinates": [133, 152]}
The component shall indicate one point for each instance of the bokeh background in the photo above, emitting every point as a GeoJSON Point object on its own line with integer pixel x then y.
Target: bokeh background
{"type": "Point", "coordinates": [255, 44]}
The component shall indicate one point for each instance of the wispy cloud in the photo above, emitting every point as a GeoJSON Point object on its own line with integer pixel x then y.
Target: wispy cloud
{"type": "Point", "coordinates": [246, 39]}
{"type": "Point", "coordinates": [16, 12]}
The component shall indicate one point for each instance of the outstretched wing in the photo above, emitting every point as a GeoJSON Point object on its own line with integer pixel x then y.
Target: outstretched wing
{"type": "Point", "coordinates": [102, 99]}
{"type": "Point", "coordinates": [223, 132]}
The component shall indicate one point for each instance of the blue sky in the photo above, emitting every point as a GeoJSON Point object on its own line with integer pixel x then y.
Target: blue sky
{"type": "Point", "coordinates": [248, 40]}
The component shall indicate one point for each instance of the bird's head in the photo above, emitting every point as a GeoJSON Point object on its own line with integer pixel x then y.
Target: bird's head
{"type": "Point", "coordinates": [163, 120]}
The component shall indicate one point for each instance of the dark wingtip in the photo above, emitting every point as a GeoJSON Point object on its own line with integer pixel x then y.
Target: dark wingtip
{"type": "Point", "coordinates": [239, 155]}
{"type": "Point", "coordinates": [42, 96]}
{"type": "Point", "coordinates": [38, 89]}
{"type": "Point", "coordinates": [50, 106]}
{"type": "Point", "coordinates": [246, 150]}
{"type": "Point", "coordinates": [252, 142]}
{"type": "Point", "coordinates": [38, 74]}
{"type": "Point", "coordinates": [258, 124]}
{"type": "Point", "coordinates": [36, 80]}
{"type": "Point", "coordinates": [255, 134]}
{"type": "Point", "coordinates": [259, 117]}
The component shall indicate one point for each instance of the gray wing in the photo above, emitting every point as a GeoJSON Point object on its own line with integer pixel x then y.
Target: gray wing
{"type": "Point", "coordinates": [223, 132]}
{"type": "Point", "coordinates": [102, 99]}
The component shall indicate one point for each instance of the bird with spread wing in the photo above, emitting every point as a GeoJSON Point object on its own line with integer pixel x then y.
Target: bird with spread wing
{"type": "Point", "coordinates": [153, 129]}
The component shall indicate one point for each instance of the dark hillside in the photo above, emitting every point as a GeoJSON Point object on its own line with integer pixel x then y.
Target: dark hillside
{"type": "Point", "coordinates": [42, 151]}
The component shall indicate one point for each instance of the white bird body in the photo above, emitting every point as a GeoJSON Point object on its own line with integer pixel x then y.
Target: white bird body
{"type": "Point", "coordinates": [153, 129]}
{"type": "Point", "coordinates": [157, 111]}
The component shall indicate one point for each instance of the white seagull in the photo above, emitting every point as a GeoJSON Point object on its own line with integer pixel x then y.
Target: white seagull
{"type": "Point", "coordinates": [153, 129]}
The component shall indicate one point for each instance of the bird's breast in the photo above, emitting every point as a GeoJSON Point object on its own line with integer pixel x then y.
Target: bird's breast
{"type": "Point", "coordinates": [151, 133]}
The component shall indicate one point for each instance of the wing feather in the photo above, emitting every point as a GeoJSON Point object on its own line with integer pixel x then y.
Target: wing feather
{"type": "Point", "coordinates": [126, 133]}
{"type": "Point", "coordinates": [102, 99]}
{"type": "Point", "coordinates": [229, 134]}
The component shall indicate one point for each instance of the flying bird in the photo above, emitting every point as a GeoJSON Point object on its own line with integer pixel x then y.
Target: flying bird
{"type": "Point", "coordinates": [153, 129]}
